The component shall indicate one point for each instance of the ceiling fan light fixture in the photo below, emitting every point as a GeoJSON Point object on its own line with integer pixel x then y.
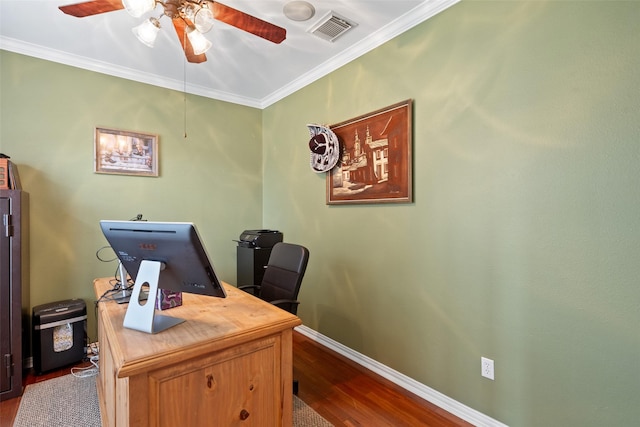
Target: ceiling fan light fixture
{"type": "Point", "coordinates": [199, 42]}
{"type": "Point", "coordinates": [203, 20]}
{"type": "Point", "coordinates": [190, 18]}
{"type": "Point", "coordinates": [137, 8]}
{"type": "Point", "coordinates": [147, 32]}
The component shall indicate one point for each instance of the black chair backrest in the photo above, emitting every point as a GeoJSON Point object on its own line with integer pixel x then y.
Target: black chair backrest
{"type": "Point", "coordinates": [283, 275]}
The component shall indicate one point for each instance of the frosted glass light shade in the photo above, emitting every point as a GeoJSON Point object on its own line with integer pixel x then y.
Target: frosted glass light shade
{"type": "Point", "coordinates": [199, 42]}
{"type": "Point", "coordinates": [147, 31]}
{"type": "Point", "coordinates": [137, 8]}
{"type": "Point", "coordinates": [203, 20]}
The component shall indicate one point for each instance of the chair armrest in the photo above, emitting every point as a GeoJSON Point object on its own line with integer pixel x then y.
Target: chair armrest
{"type": "Point", "coordinates": [280, 302]}
{"type": "Point", "coordinates": [251, 289]}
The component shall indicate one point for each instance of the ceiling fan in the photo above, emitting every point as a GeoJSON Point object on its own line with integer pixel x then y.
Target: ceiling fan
{"type": "Point", "coordinates": [191, 18]}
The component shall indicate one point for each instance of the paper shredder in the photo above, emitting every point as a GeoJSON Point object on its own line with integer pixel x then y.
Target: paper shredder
{"type": "Point", "coordinates": [59, 334]}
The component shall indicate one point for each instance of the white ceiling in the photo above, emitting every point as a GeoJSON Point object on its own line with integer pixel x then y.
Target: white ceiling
{"type": "Point", "coordinates": [240, 67]}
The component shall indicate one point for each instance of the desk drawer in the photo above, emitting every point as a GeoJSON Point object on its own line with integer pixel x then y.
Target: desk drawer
{"type": "Point", "coordinates": [239, 386]}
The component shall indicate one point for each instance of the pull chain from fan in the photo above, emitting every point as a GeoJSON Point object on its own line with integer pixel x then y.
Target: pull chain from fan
{"type": "Point", "coordinates": [184, 91]}
{"type": "Point", "coordinates": [184, 87]}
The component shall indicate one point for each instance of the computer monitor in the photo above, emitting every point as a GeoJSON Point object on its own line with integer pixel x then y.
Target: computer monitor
{"type": "Point", "coordinates": [160, 255]}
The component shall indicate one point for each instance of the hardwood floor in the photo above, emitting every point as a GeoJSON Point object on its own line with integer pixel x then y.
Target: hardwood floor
{"type": "Point", "coordinates": [337, 388]}
{"type": "Point", "coordinates": [347, 395]}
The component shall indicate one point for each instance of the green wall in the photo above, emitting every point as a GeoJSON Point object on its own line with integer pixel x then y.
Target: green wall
{"type": "Point", "coordinates": [522, 243]}
{"type": "Point", "coordinates": [48, 116]}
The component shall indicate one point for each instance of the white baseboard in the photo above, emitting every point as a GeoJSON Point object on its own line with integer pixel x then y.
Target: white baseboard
{"type": "Point", "coordinates": [427, 393]}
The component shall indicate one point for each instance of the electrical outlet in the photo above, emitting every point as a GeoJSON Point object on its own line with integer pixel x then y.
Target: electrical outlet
{"type": "Point", "coordinates": [487, 368]}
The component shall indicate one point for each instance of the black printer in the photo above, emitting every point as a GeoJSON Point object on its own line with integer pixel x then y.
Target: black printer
{"type": "Point", "coordinates": [259, 238]}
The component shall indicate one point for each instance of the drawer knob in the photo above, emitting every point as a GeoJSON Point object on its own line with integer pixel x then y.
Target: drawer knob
{"type": "Point", "coordinates": [244, 414]}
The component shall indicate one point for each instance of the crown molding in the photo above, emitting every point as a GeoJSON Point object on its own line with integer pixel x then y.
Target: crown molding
{"type": "Point", "coordinates": [416, 16]}
{"type": "Point", "coordinates": [65, 58]}
{"type": "Point", "coordinates": [409, 20]}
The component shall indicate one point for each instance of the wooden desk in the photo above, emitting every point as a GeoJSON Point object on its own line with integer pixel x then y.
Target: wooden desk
{"type": "Point", "coordinates": [229, 364]}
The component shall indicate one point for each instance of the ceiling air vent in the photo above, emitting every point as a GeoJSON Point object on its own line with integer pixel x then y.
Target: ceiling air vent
{"type": "Point", "coordinates": [331, 26]}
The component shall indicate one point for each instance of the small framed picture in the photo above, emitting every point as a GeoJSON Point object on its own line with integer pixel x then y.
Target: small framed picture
{"type": "Point", "coordinates": [122, 152]}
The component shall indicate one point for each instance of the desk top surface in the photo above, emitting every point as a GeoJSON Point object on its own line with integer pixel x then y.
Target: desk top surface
{"type": "Point", "coordinates": [211, 324]}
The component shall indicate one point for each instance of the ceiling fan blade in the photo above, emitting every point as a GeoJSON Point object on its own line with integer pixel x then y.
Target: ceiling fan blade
{"type": "Point", "coordinates": [181, 27]}
{"type": "Point", "coordinates": [247, 23]}
{"type": "Point", "coordinates": [94, 7]}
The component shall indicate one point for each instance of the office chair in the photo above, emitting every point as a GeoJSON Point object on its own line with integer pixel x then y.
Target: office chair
{"type": "Point", "coordinates": [282, 276]}
{"type": "Point", "coordinates": [282, 279]}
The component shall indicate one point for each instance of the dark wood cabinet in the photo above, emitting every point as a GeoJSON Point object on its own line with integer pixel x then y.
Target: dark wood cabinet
{"type": "Point", "coordinates": [14, 290]}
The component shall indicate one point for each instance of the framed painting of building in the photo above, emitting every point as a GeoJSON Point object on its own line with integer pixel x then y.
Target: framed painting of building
{"type": "Point", "coordinates": [376, 157]}
{"type": "Point", "coordinates": [125, 153]}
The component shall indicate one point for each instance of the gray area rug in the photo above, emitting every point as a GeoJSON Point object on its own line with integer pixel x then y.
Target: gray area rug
{"type": "Point", "coordinates": [62, 402]}
{"type": "Point", "coordinates": [71, 401]}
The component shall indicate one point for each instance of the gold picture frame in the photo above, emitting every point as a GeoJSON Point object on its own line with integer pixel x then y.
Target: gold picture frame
{"type": "Point", "coordinates": [376, 156]}
{"type": "Point", "coordinates": [121, 152]}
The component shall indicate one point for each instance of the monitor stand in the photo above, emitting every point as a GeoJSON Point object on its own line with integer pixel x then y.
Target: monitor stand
{"type": "Point", "coordinates": [124, 294]}
{"type": "Point", "coordinates": [141, 315]}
